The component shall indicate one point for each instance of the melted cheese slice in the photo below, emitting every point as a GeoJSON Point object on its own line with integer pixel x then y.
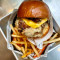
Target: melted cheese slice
{"type": "Point", "coordinates": [33, 24]}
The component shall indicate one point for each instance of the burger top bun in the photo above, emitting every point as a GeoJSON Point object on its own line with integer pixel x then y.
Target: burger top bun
{"type": "Point", "coordinates": [33, 9]}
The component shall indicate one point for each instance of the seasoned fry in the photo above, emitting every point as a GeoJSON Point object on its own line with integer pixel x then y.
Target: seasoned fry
{"type": "Point", "coordinates": [17, 47]}
{"type": "Point", "coordinates": [18, 36]}
{"type": "Point", "coordinates": [34, 49]}
{"type": "Point", "coordinates": [51, 41]}
{"type": "Point", "coordinates": [17, 42]}
{"type": "Point", "coordinates": [13, 29]}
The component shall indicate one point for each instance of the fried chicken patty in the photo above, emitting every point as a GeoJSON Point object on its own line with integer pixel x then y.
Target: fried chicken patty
{"type": "Point", "coordinates": [32, 32]}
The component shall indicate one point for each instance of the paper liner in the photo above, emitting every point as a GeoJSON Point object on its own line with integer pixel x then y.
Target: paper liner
{"type": "Point", "coordinates": [10, 46]}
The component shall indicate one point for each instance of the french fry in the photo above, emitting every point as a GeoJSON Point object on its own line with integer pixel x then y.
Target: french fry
{"type": "Point", "coordinates": [17, 42]}
{"type": "Point", "coordinates": [18, 36]}
{"type": "Point", "coordinates": [14, 39]}
{"type": "Point", "coordinates": [33, 47]}
{"type": "Point", "coordinates": [54, 36]}
{"type": "Point", "coordinates": [26, 54]}
{"type": "Point", "coordinates": [40, 51]}
{"type": "Point", "coordinates": [18, 39]}
{"type": "Point", "coordinates": [22, 49]}
{"type": "Point", "coordinates": [51, 41]}
{"type": "Point", "coordinates": [17, 47]}
{"type": "Point", "coordinates": [13, 29]}
{"type": "Point", "coordinates": [17, 31]}
{"type": "Point", "coordinates": [28, 44]}
{"type": "Point", "coordinates": [29, 50]}
{"type": "Point", "coordinates": [25, 44]}
{"type": "Point", "coordinates": [25, 47]}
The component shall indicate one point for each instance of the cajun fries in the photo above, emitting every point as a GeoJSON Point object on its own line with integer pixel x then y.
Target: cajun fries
{"type": "Point", "coordinates": [22, 44]}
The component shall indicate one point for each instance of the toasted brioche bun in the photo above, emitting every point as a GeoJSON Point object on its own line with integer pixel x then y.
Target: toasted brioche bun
{"type": "Point", "coordinates": [33, 9]}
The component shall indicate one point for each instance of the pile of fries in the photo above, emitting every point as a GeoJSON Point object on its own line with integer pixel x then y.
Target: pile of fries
{"type": "Point", "coordinates": [21, 43]}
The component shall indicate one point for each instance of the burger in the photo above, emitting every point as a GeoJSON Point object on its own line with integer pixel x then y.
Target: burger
{"type": "Point", "coordinates": [33, 19]}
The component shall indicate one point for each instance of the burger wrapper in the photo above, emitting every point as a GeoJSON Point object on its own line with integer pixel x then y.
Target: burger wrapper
{"type": "Point", "coordinates": [11, 47]}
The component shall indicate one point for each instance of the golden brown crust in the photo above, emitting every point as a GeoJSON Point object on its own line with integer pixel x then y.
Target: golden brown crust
{"type": "Point", "coordinates": [33, 9]}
